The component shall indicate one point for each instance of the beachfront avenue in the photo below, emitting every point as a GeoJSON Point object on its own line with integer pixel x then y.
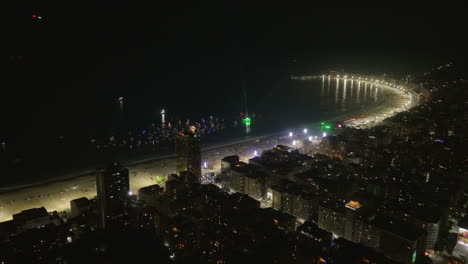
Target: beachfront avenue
{"type": "Point", "coordinates": [56, 196]}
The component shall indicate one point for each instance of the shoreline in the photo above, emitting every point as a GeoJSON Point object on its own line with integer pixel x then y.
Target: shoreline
{"type": "Point", "coordinates": [158, 157]}
{"type": "Point", "coordinates": [55, 194]}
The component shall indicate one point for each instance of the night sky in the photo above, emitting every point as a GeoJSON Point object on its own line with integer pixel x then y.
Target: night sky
{"type": "Point", "coordinates": [65, 72]}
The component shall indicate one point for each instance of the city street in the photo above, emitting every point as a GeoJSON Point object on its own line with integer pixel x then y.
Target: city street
{"type": "Point", "coordinates": [56, 196]}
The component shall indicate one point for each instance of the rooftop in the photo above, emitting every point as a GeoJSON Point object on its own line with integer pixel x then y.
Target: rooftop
{"type": "Point", "coordinates": [390, 224]}
{"type": "Point", "coordinates": [152, 189]}
{"type": "Point", "coordinates": [30, 214]}
{"type": "Point", "coordinates": [231, 159]}
{"type": "Point", "coordinates": [243, 167]}
{"type": "Point", "coordinates": [284, 148]}
{"type": "Point", "coordinates": [335, 205]}
{"type": "Point", "coordinates": [191, 134]}
{"type": "Point", "coordinates": [81, 202]}
{"type": "Point", "coordinates": [397, 227]}
{"type": "Point", "coordinates": [115, 167]}
{"type": "Point", "coordinates": [353, 205]}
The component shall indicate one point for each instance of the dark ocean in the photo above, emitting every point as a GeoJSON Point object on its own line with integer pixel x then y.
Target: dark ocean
{"type": "Point", "coordinates": [65, 71]}
{"type": "Point", "coordinates": [48, 146]}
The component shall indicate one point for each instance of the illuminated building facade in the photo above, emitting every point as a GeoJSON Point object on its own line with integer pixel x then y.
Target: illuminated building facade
{"type": "Point", "coordinates": [188, 153]}
{"type": "Point", "coordinates": [399, 240]}
{"type": "Point", "coordinates": [332, 217]}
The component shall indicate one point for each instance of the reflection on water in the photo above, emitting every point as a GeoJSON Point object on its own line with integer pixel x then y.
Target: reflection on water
{"type": "Point", "coordinates": [337, 90]}
{"type": "Point", "coordinates": [302, 102]}
{"type": "Point", "coordinates": [323, 85]}
{"type": "Point", "coordinates": [347, 95]}
{"type": "Point", "coordinates": [358, 96]}
{"type": "Point", "coordinates": [343, 100]}
{"type": "Point", "coordinates": [365, 93]}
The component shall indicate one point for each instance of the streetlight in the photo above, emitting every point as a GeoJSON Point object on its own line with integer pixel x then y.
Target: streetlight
{"type": "Point", "coordinates": [163, 117]}
{"type": "Point", "coordinates": [120, 100]}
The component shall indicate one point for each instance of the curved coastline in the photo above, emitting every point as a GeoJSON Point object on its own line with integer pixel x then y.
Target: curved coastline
{"type": "Point", "coordinates": [375, 108]}
{"type": "Point", "coordinates": [85, 178]}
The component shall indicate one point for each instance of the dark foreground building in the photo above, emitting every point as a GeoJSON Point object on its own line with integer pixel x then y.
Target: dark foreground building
{"type": "Point", "coordinates": [188, 153]}
{"type": "Point", "coordinates": [113, 188]}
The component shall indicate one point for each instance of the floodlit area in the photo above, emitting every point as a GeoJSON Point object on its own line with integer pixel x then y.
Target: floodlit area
{"type": "Point", "coordinates": [461, 251]}
{"type": "Point", "coordinates": [401, 99]}
{"type": "Point", "coordinates": [56, 196]}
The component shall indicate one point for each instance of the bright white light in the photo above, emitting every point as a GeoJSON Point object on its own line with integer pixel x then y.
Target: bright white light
{"type": "Point", "coordinates": [294, 142]}
{"type": "Point", "coordinates": [269, 195]}
{"type": "Point", "coordinates": [69, 239]}
{"type": "Point", "coordinates": [305, 130]}
{"type": "Point", "coordinates": [205, 164]}
{"type": "Point", "coordinates": [130, 193]}
{"type": "Point", "coordinates": [324, 134]}
{"type": "Point", "coordinates": [290, 134]}
{"type": "Point", "coordinates": [255, 153]}
{"type": "Point", "coordinates": [310, 138]}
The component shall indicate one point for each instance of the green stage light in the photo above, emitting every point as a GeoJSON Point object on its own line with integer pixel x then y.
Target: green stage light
{"type": "Point", "coordinates": [246, 121]}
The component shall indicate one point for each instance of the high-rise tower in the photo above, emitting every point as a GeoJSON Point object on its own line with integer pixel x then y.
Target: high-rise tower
{"type": "Point", "coordinates": [113, 186]}
{"type": "Point", "coordinates": [188, 153]}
